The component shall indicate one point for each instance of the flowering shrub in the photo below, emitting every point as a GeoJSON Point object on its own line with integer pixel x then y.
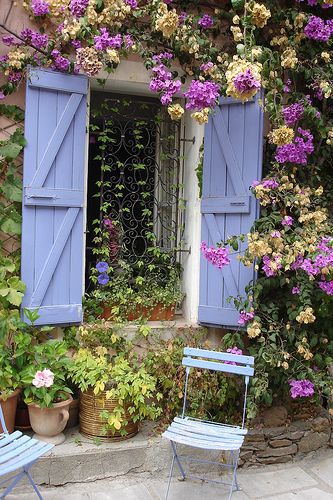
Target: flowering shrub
{"type": "Point", "coordinates": [235, 50]}
{"type": "Point", "coordinates": [287, 310]}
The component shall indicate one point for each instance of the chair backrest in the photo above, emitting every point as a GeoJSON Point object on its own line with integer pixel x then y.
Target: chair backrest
{"type": "Point", "coordinates": [218, 361]}
{"type": "Point", "coordinates": [201, 358]}
{"type": "Point", "coordinates": [2, 421]}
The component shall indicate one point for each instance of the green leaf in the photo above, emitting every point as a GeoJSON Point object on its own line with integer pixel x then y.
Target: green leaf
{"type": "Point", "coordinates": [10, 226]}
{"type": "Point", "coordinates": [14, 297]}
{"type": "Point", "coordinates": [10, 150]}
{"type": "Point", "coordinates": [12, 192]}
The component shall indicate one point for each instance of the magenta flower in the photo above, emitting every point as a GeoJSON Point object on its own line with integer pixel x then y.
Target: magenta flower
{"type": "Point", "coordinates": [78, 7]}
{"type": "Point", "coordinates": [206, 21]}
{"type": "Point", "coordinates": [297, 151]}
{"type": "Point", "coordinates": [43, 378]}
{"type": "Point", "coordinates": [301, 388]}
{"type": "Point", "coordinates": [108, 223]}
{"type": "Point", "coordinates": [297, 263]}
{"type": "Point", "coordinates": [318, 29]}
{"type": "Point", "coordinates": [2, 95]}
{"type": "Point", "coordinates": [271, 267]}
{"type": "Point", "coordinates": [275, 234]}
{"type": "Point", "coordinates": [104, 40]}
{"type": "Point", "coordinates": [182, 17]}
{"type": "Point", "coordinates": [128, 41]}
{"type": "Point", "coordinates": [163, 82]}
{"type": "Point", "coordinates": [244, 317]}
{"type": "Point", "coordinates": [293, 113]}
{"type": "Point", "coordinates": [39, 7]}
{"type": "Point", "coordinates": [233, 350]}
{"type": "Point", "coordinates": [267, 183]}
{"type": "Point", "coordinates": [132, 3]}
{"type": "Point", "coordinates": [327, 287]}
{"type": "Point", "coordinates": [287, 220]}
{"type": "Point", "coordinates": [15, 77]}
{"type": "Point", "coordinates": [309, 268]}
{"type": "Point", "coordinates": [295, 290]}
{"type": "Point", "coordinates": [60, 62]}
{"type": "Point", "coordinates": [245, 82]}
{"type": "Point", "coordinates": [201, 95]}
{"type": "Point", "coordinates": [286, 87]}
{"type": "Point", "coordinates": [76, 44]}
{"type": "Point", "coordinates": [8, 40]}
{"type": "Point", "coordinates": [219, 256]}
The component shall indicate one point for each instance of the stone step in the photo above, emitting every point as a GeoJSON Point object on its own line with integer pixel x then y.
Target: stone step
{"type": "Point", "coordinates": [80, 459]}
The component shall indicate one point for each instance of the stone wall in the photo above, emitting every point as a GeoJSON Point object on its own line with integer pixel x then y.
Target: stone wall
{"type": "Point", "coordinates": [280, 444]}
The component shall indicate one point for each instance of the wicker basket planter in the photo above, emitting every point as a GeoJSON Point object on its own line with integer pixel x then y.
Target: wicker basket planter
{"type": "Point", "coordinates": [91, 424]}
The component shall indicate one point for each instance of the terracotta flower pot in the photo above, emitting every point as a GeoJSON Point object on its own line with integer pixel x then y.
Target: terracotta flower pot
{"type": "Point", "coordinates": [9, 410]}
{"type": "Point", "coordinates": [73, 420]}
{"type": "Point", "coordinates": [48, 423]}
{"type": "Point", "coordinates": [22, 420]}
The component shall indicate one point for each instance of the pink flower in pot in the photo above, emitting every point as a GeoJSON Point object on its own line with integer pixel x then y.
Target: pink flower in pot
{"type": "Point", "coordinates": [43, 378]}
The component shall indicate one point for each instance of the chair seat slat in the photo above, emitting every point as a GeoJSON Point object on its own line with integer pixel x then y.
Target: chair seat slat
{"type": "Point", "coordinates": [200, 431]}
{"type": "Point", "coordinates": [17, 447]}
{"type": "Point", "coordinates": [25, 458]}
{"type": "Point", "coordinates": [203, 432]}
{"type": "Point", "coordinates": [200, 443]}
{"type": "Point", "coordinates": [8, 438]}
{"type": "Point", "coordinates": [210, 426]}
{"type": "Point", "coordinates": [13, 444]}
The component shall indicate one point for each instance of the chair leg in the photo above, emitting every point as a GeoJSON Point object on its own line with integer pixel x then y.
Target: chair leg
{"type": "Point", "coordinates": [12, 484]}
{"type": "Point", "coordinates": [234, 474]}
{"type": "Point", "coordinates": [170, 476]}
{"type": "Point", "coordinates": [174, 449]}
{"type": "Point", "coordinates": [238, 488]}
{"type": "Point", "coordinates": [32, 482]}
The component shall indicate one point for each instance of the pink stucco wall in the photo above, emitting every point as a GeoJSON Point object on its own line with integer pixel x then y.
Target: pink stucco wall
{"type": "Point", "coordinates": [14, 17]}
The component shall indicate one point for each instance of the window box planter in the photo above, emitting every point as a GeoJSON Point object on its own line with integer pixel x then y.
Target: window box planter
{"type": "Point", "coordinates": [160, 312]}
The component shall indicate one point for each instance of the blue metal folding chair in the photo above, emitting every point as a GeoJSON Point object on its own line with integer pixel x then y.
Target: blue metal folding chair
{"type": "Point", "coordinates": [207, 435]}
{"type": "Point", "coordinates": [17, 454]}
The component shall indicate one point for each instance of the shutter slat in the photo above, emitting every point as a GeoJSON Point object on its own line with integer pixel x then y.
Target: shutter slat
{"type": "Point", "coordinates": [232, 160]}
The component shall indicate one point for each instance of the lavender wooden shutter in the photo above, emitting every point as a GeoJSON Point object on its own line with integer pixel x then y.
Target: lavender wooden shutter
{"type": "Point", "coordinates": [53, 195]}
{"type": "Point", "coordinates": [232, 160]}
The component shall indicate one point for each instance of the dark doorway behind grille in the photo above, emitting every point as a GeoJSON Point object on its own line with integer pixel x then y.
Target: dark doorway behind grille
{"type": "Point", "coordinates": [137, 173]}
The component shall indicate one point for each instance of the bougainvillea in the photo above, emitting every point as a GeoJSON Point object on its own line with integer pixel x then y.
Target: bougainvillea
{"type": "Point", "coordinates": [278, 51]}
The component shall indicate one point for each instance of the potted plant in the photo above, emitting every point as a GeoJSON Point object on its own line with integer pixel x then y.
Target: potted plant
{"type": "Point", "coordinates": [116, 393]}
{"type": "Point", "coordinates": [127, 293]}
{"type": "Point", "coordinates": [46, 391]}
{"type": "Point", "coordinates": [15, 342]}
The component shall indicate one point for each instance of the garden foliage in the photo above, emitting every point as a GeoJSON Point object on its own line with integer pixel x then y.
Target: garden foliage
{"type": "Point", "coordinates": [283, 48]}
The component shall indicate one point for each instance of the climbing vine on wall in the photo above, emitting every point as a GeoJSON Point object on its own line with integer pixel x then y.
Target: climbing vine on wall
{"type": "Point", "coordinates": [11, 287]}
{"type": "Point", "coordinates": [232, 48]}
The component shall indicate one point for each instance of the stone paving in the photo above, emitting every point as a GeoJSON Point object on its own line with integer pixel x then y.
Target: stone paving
{"type": "Point", "coordinates": [309, 479]}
